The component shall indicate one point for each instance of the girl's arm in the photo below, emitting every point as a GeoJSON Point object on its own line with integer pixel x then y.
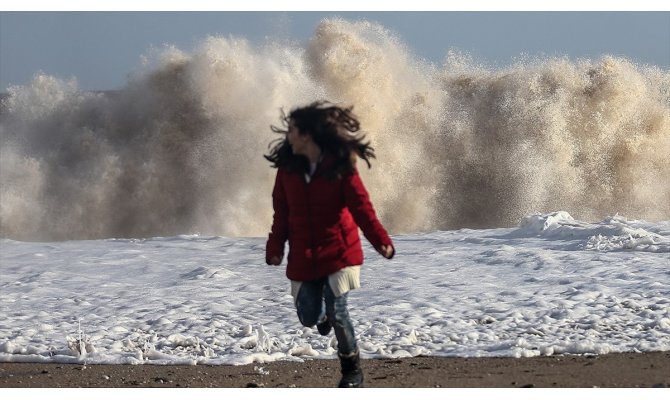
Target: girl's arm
{"type": "Point", "coordinates": [358, 201]}
{"type": "Point", "coordinates": [274, 249]}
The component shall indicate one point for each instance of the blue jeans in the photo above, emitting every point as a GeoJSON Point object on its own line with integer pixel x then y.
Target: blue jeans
{"type": "Point", "coordinates": [310, 305]}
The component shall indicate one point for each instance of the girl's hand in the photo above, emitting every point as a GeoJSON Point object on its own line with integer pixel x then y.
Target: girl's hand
{"type": "Point", "coordinates": [387, 251]}
{"type": "Point", "coordinates": [275, 260]}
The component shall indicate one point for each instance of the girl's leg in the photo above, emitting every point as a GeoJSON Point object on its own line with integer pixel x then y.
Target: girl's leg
{"type": "Point", "coordinates": [350, 360]}
{"type": "Point", "coordinates": [338, 316]}
{"type": "Point", "coordinates": [309, 302]}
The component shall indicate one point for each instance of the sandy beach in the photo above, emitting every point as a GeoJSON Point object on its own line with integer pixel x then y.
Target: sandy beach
{"type": "Point", "coordinates": [620, 370]}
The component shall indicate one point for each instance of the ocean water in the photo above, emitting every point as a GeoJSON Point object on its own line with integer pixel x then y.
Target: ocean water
{"type": "Point", "coordinates": [552, 285]}
{"type": "Point", "coordinates": [178, 149]}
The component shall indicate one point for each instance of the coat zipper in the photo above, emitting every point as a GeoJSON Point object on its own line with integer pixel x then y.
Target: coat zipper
{"type": "Point", "coordinates": [309, 223]}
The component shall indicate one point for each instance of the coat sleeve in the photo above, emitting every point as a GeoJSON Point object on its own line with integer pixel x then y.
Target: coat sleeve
{"type": "Point", "coordinates": [358, 201]}
{"type": "Point", "coordinates": [279, 231]}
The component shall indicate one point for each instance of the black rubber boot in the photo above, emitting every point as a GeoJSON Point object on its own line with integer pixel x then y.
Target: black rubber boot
{"type": "Point", "coordinates": [352, 374]}
{"type": "Point", "coordinates": [324, 327]}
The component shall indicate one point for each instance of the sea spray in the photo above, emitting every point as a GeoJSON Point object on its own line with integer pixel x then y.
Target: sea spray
{"type": "Point", "coordinates": [179, 148]}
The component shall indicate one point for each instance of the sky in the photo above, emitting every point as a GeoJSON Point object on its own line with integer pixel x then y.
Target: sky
{"type": "Point", "coordinates": [101, 48]}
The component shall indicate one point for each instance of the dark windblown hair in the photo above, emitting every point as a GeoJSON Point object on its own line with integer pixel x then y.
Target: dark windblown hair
{"type": "Point", "coordinates": [332, 128]}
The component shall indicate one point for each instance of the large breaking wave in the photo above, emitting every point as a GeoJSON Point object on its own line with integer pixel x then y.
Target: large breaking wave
{"type": "Point", "coordinates": [179, 148]}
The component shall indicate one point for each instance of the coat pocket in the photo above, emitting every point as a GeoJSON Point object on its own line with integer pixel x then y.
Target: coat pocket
{"type": "Point", "coordinates": [343, 235]}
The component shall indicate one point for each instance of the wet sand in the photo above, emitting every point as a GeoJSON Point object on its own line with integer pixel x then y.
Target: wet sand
{"type": "Point", "coordinates": [621, 370]}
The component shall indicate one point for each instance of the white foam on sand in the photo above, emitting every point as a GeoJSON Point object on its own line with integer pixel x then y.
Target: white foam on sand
{"type": "Point", "coordinates": [553, 285]}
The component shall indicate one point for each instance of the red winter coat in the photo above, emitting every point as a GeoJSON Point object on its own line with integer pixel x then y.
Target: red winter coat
{"type": "Point", "coordinates": [320, 220]}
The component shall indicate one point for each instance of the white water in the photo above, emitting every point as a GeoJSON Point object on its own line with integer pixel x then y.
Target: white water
{"type": "Point", "coordinates": [553, 285]}
{"type": "Point", "coordinates": [179, 148]}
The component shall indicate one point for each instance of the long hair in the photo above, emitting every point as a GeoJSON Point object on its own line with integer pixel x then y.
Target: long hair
{"type": "Point", "coordinates": [332, 128]}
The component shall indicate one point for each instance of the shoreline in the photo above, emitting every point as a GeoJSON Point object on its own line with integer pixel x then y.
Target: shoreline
{"type": "Point", "coordinates": [615, 370]}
